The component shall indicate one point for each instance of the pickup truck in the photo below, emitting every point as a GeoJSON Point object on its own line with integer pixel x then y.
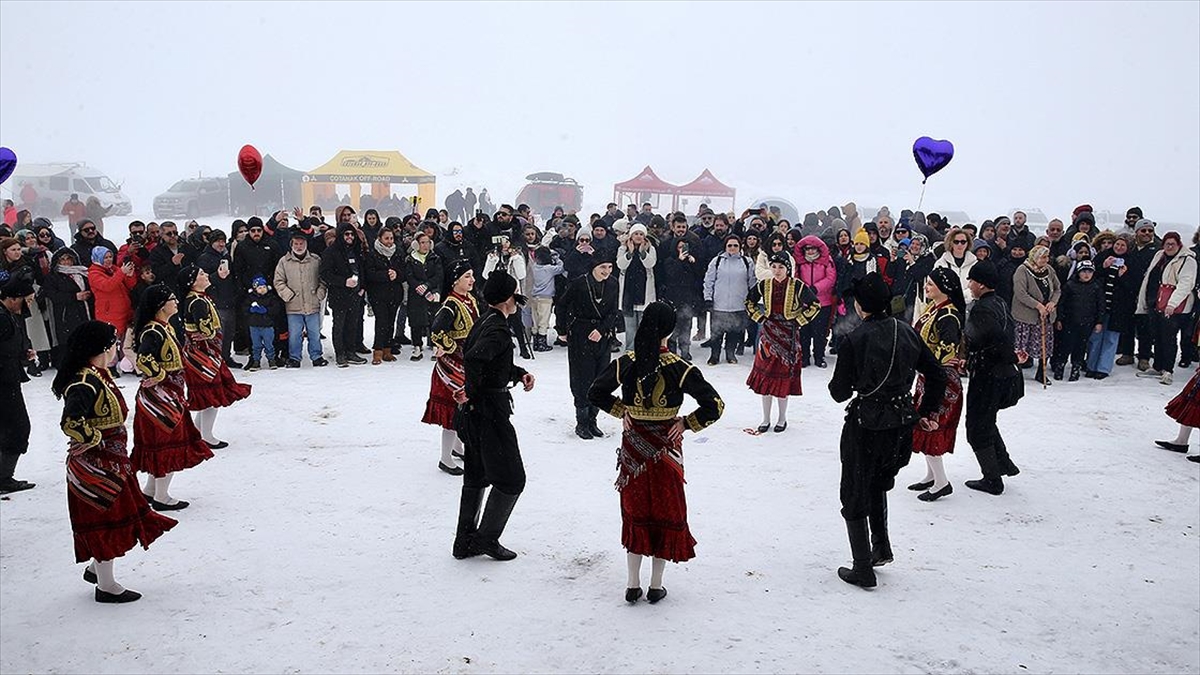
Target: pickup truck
{"type": "Point", "coordinates": [193, 198]}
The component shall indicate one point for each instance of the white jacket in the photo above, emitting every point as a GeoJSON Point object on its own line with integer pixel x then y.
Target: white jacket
{"type": "Point", "coordinates": [1180, 273]}
{"type": "Point", "coordinates": [649, 260]}
{"type": "Point", "coordinates": [947, 260]}
{"type": "Point", "coordinates": [515, 268]}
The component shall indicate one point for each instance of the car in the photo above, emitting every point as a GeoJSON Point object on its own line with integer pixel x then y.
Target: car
{"type": "Point", "coordinates": [547, 189]}
{"type": "Point", "coordinates": [193, 198]}
{"type": "Point", "coordinates": [51, 185]}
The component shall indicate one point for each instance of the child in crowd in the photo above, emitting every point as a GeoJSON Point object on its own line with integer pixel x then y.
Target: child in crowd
{"type": "Point", "coordinates": [546, 266]}
{"type": "Point", "coordinates": [1080, 314]}
{"type": "Point", "coordinates": [263, 309]}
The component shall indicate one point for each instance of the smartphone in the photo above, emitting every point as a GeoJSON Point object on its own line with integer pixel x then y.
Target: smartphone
{"type": "Point", "coordinates": [1118, 262]}
{"type": "Point", "coordinates": [686, 248]}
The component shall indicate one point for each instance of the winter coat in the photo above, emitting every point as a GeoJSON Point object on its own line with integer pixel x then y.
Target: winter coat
{"type": "Point", "coordinates": [1179, 272]}
{"type": "Point", "coordinates": [424, 277]}
{"type": "Point", "coordinates": [577, 263]}
{"type": "Point", "coordinates": [989, 336]}
{"type": "Point", "coordinates": [110, 289]}
{"type": "Point", "coordinates": [819, 275]}
{"type": "Point", "coordinates": [382, 291]}
{"type": "Point", "coordinates": [1006, 267]}
{"type": "Point", "coordinates": [166, 271]}
{"type": "Point", "coordinates": [680, 281]}
{"type": "Point", "coordinates": [262, 310]}
{"type": "Point", "coordinates": [909, 278]}
{"type": "Point", "coordinates": [451, 252]}
{"type": "Point", "coordinates": [1120, 293]}
{"type": "Point", "coordinates": [727, 282]}
{"type": "Point", "coordinates": [582, 312]}
{"type": "Point", "coordinates": [544, 276]}
{"type": "Point", "coordinates": [257, 259]}
{"type": "Point", "coordinates": [649, 259]}
{"type": "Point", "coordinates": [1082, 304]}
{"type": "Point", "coordinates": [223, 292]}
{"type": "Point", "coordinates": [298, 283]}
{"type": "Point", "coordinates": [962, 271]}
{"type": "Point", "coordinates": [341, 262]}
{"type": "Point", "coordinates": [66, 308]}
{"type": "Point", "coordinates": [1025, 238]}
{"type": "Point", "coordinates": [1027, 295]}
{"type": "Point", "coordinates": [83, 248]}
{"type": "Point", "coordinates": [514, 265]}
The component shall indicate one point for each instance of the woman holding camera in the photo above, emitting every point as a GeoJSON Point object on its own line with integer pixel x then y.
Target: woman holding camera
{"type": "Point", "coordinates": [423, 270]}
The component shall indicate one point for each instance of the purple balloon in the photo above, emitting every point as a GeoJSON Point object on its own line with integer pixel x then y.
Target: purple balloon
{"type": "Point", "coordinates": [932, 156]}
{"type": "Point", "coordinates": [8, 162]}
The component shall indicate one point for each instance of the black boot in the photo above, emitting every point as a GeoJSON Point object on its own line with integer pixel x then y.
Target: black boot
{"type": "Point", "coordinates": [1074, 376]}
{"type": "Point", "coordinates": [495, 516]}
{"type": "Point", "coordinates": [1040, 375]}
{"type": "Point", "coordinates": [468, 521]}
{"type": "Point", "coordinates": [862, 574]}
{"type": "Point", "coordinates": [592, 428]}
{"type": "Point", "coordinates": [991, 482]}
{"type": "Point", "coordinates": [881, 546]}
{"type": "Point", "coordinates": [8, 464]}
{"type": "Point", "coordinates": [582, 427]}
{"type": "Point", "coordinates": [1003, 462]}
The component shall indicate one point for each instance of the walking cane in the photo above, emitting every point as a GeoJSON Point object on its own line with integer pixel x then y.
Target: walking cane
{"type": "Point", "coordinates": [1045, 375]}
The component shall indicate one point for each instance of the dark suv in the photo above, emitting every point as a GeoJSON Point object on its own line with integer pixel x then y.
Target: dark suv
{"type": "Point", "coordinates": [193, 198]}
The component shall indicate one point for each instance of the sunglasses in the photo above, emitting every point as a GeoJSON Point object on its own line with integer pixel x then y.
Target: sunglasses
{"type": "Point", "coordinates": [960, 242]}
{"type": "Point", "coordinates": [88, 229]}
{"type": "Point", "coordinates": [1145, 230]}
{"type": "Point", "coordinates": [170, 233]}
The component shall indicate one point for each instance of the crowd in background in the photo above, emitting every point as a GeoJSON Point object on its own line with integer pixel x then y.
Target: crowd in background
{"type": "Point", "coordinates": [1082, 300]}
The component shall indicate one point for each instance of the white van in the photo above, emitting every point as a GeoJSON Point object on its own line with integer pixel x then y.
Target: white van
{"type": "Point", "coordinates": [55, 183]}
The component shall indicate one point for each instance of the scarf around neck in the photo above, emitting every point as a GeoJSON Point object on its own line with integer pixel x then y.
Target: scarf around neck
{"type": "Point", "coordinates": [385, 251]}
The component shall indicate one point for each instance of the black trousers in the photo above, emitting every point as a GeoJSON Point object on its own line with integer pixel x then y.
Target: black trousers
{"type": "Point", "coordinates": [491, 455]}
{"type": "Point", "coordinates": [983, 433]}
{"type": "Point", "coordinates": [385, 324]}
{"type": "Point", "coordinates": [401, 320]}
{"type": "Point", "coordinates": [585, 361]}
{"type": "Point", "coordinates": [228, 329]}
{"type": "Point", "coordinates": [240, 328]}
{"type": "Point", "coordinates": [870, 462]}
{"type": "Point", "coordinates": [681, 339]}
{"type": "Point", "coordinates": [347, 328]}
{"type": "Point", "coordinates": [814, 335]}
{"type": "Point", "coordinates": [1071, 343]}
{"type": "Point", "coordinates": [1140, 329]}
{"type": "Point", "coordinates": [1166, 330]}
{"type": "Point", "coordinates": [14, 420]}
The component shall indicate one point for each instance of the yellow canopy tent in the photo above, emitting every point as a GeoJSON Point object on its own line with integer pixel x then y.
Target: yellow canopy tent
{"type": "Point", "coordinates": [381, 169]}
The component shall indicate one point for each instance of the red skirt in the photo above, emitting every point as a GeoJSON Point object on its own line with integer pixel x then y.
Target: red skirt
{"type": "Point", "coordinates": [654, 512]}
{"type": "Point", "coordinates": [209, 382]}
{"type": "Point", "coordinates": [940, 442]}
{"type": "Point", "coordinates": [777, 364]}
{"type": "Point", "coordinates": [1185, 407]}
{"type": "Point", "coordinates": [109, 533]}
{"type": "Point", "coordinates": [164, 438]}
{"type": "Point", "coordinates": [448, 377]}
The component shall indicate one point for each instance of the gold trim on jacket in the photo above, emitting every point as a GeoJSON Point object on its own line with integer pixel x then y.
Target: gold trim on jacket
{"type": "Point", "coordinates": [208, 325]}
{"type": "Point", "coordinates": [105, 414]}
{"type": "Point", "coordinates": [464, 313]}
{"type": "Point", "coordinates": [928, 322]}
{"type": "Point", "coordinates": [793, 307]}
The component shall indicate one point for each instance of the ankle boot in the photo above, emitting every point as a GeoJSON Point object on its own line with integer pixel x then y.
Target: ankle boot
{"type": "Point", "coordinates": [989, 465]}
{"type": "Point", "coordinates": [468, 518]}
{"type": "Point", "coordinates": [881, 545]}
{"type": "Point", "coordinates": [1040, 376]}
{"type": "Point", "coordinates": [387, 355]}
{"type": "Point", "coordinates": [495, 517]}
{"type": "Point", "coordinates": [376, 357]}
{"type": "Point", "coordinates": [862, 574]}
{"type": "Point", "coordinates": [1074, 376]}
{"type": "Point", "coordinates": [592, 428]}
{"type": "Point", "coordinates": [582, 426]}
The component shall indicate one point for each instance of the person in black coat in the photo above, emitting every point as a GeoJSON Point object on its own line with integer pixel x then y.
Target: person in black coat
{"type": "Point", "coordinates": [878, 361]}
{"type": "Point", "coordinates": [168, 257]}
{"type": "Point", "coordinates": [455, 247]}
{"type": "Point", "coordinates": [1080, 313]}
{"type": "Point", "coordinates": [342, 270]}
{"type": "Point", "coordinates": [590, 310]}
{"type": "Point", "coordinates": [995, 381]}
{"type": "Point", "coordinates": [1006, 267]}
{"type": "Point", "coordinates": [87, 238]}
{"type": "Point", "coordinates": [680, 279]}
{"type": "Point", "coordinates": [15, 350]}
{"type": "Point", "coordinates": [491, 454]}
{"type": "Point", "coordinates": [385, 291]}
{"type": "Point", "coordinates": [224, 291]}
{"type": "Point", "coordinates": [66, 287]}
{"type": "Point", "coordinates": [423, 270]}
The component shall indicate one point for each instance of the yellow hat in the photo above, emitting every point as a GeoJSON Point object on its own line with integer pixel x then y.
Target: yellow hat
{"type": "Point", "coordinates": [862, 238]}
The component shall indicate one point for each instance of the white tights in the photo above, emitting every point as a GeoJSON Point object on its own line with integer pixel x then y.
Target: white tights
{"type": "Point", "coordinates": [104, 577]}
{"type": "Point", "coordinates": [450, 444]}
{"type": "Point", "coordinates": [781, 403]}
{"type": "Point", "coordinates": [205, 419]}
{"type": "Point", "coordinates": [936, 472]}
{"type": "Point", "coordinates": [657, 567]}
{"type": "Point", "coordinates": [1184, 434]}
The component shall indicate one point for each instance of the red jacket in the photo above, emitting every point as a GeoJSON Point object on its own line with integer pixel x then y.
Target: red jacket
{"type": "Point", "coordinates": [110, 288]}
{"type": "Point", "coordinates": [74, 212]}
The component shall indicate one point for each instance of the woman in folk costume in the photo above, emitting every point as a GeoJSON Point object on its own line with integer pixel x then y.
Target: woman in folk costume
{"type": "Point", "coordinates": [940, 326]}
{"type": "Point", "coordinates": [448, 330]}
{"type": "Point", "coordinates": [782, 305]}
{"type": "Point", "coordinates": [109, 515]}
{"type": "Point", "coordinates": [210, 384]}
{"type": "Point", "coordinates": [164, 438]}
{"type": "Point", "coordinates": [652, 382]}
{"type": "Point", "coordinates": [1185, 409]}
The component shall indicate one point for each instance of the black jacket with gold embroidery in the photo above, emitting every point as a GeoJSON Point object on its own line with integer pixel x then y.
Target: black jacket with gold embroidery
{"type": "Point", "coordinates": [453, 321]}
{"type": "Point", "coordinates": [940, 328]}
{"type": "Point", "coordinates": [676, 377]}
{"type": "Point", "coordinates": [200, 317]}
{"type": "Point", "coordinates": [158, 353]}
{"type": "Point", "coordinates": [800, 303]}
{"type": "Point", "coordinates": [91, 405]}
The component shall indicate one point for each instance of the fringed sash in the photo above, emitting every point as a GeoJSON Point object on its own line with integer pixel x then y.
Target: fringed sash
{"type": "Point", "coordinates": [203, 357]}
{"type": "Point", "coordinates": [449, 369]}
{"type": "Point", "coordinates": [779, 339]}
{"type": "Point", "coordinates": [643, 443]}
{"type": "Point", "coordinates": [88, 477]}
{"type": "Point", "coordinates": [164, 406]}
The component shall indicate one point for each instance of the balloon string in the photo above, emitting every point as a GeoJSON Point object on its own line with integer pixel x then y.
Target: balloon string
{"type": "Point", "coordinates": [922, 199]}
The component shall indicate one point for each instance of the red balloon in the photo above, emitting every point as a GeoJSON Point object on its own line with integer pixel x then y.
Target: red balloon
{"type": "Point", "coordinates": [250, 164]}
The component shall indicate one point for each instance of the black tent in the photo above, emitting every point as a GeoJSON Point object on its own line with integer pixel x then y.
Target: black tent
{"type": "Point", "coordinates": [277, 188]}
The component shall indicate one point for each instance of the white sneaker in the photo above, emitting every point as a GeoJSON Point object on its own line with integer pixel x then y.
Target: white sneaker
{"type": "Point", "coordinates": [1149, 373]}
{"type": "Point", "coordinates": [1166, 378]}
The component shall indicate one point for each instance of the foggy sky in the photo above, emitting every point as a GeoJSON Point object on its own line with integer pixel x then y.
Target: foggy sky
{"type": "Point", "coordinates": [1049, 104]}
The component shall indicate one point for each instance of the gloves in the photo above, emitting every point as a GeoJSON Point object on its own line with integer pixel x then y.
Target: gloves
{"type": "Point", "coordinates": [256, 308]}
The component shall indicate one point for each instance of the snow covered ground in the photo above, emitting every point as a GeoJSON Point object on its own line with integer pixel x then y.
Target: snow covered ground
{"type": "Point", "coordinates": [319, 541]}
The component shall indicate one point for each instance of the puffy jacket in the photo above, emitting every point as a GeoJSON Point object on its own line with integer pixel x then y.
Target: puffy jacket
{"type": "Point", "coordinates": [728, 281]}
{"type": "Point", "coordinates": [649, 256]}
{"type": "Point", "coordinates": [1179, 272]}
{"type": "Point", "coordinates": [110, 290]}
{"type": "Point", "coordinates": [821, 274]}
{"type": "Point", "coordinates": [543, 277]}
{"type": "Point", "coordinates": [298, 283]}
